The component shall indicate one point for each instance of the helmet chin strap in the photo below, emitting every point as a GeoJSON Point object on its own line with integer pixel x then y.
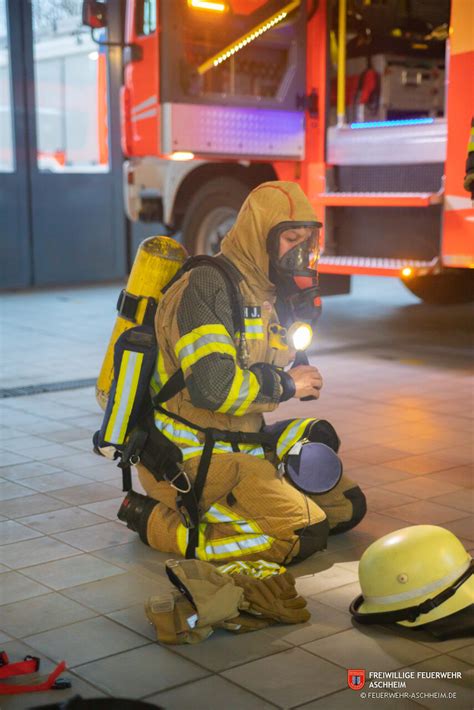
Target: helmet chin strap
{"type": "Point", "coordinates": [410, 613]}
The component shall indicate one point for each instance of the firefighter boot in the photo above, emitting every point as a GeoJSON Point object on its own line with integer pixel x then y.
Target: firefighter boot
{"type": "Point", "coordinates": [135, 511]}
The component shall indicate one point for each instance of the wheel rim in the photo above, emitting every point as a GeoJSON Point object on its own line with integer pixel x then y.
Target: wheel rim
{"type": "Point", "coordinates": [213, 228]}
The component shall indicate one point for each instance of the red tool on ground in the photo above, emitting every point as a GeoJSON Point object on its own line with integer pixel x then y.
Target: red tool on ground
{"type": "Point", "coordinates": [30, 664]}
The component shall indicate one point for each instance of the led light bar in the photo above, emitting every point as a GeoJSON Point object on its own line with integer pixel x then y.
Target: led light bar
{"type": "Point", "coordinates": [243, 41]}
{"type": "Point", "coordinates": [401, 122]}
{"type": "Point", "coordinates": [208, 5]}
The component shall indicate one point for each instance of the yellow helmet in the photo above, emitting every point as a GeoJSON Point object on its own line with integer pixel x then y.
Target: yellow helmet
{"type": "Point", "coordinates": [414, 576]}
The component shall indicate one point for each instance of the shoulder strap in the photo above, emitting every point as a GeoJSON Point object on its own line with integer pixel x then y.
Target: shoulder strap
{"type": "Point", "coordinates": [231, 275]}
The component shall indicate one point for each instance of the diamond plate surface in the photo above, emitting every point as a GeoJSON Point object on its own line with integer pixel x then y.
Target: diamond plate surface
{"type": "Point", "coordinates": [228, 130]}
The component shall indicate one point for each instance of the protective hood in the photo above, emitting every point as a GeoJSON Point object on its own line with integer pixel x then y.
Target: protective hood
{"type": "Point", "coordinates": [245, 244]}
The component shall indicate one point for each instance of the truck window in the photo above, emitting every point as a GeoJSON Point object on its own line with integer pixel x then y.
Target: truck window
{"type": "Point", "coordinates": [145, 17]}
{"type": "Point", "coordinates": [395, 60]}
{"type": "Point", "coordinates": [265, 70]}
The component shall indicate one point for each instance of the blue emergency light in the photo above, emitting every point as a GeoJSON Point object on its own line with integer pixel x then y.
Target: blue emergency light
{"type": "Point", "coordinates": [401, 122]}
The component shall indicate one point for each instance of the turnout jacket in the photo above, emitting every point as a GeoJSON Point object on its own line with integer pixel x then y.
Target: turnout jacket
{"type": "Point", "coordinates": [195, 331]}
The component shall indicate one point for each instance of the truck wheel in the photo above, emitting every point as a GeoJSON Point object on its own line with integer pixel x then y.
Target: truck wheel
{"type": "Point", "coordinates": [211, 213]}
{"type": "Point", "coordinates": [443, 289]}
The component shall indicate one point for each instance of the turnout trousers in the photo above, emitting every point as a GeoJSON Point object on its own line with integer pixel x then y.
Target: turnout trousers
{"type": "Point", "coordinates": [250, 512]}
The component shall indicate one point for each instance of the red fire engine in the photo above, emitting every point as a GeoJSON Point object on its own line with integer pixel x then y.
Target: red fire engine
{"type": "Point", "coordinates": [366, 103]}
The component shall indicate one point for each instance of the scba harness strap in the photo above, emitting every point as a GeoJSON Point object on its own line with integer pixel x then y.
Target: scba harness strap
{"type": "Point", "coordinates": [145, 443]}
{"type": "Point", "coordinates": [30, 664]}
{"type": "Point", "coordinates": [189, 501]}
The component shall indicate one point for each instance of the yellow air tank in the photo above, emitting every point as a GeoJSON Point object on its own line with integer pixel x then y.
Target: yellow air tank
{"type": "Point", "coordinates": [157, 261]}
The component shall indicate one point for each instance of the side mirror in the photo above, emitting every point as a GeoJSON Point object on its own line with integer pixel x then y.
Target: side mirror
{"type": "Point", "coordinates": [94, 14]}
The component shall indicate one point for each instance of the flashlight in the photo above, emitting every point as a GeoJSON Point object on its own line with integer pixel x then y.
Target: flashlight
{"type": "Point", "coordinates": [300, 335]}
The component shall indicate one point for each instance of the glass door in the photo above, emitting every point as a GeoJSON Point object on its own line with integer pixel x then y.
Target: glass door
{"type": "Point", "coordinates": [77, 220]}
{"type": "Point", "coordinates": [58, 152]}
{"type": "Point", "coordinates": [15, 252]}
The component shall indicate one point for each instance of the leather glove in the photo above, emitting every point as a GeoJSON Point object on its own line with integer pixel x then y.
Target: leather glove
{"type": "Point", "coordinates": [244, 622]}
{"type": "Point", "coordinates": [213, 595]}
{"type": "Point", "coordinates": [175, 619]}
{"type": "Point", "coordinates": [273, 598]}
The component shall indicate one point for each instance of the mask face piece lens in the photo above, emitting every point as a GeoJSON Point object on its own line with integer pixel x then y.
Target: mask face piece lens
{"type": "Point", "coordinates": [299, 242]}
{"type": "Point", "coordinates": [302, 258]}
{"type": "Point", "coordinates": [293, 248]}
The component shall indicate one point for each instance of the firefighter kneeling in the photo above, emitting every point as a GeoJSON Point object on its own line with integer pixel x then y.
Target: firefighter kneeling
{"type": "Point", "coordinates": [258, 501]}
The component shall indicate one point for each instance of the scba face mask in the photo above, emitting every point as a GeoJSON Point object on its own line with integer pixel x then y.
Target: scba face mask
{"type": "Point", "coordinates": [300, 260]}
{"type": "Point", "coordinates": [295, 273]}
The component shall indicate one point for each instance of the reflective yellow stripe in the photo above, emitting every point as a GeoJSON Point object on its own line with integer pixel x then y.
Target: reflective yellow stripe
{"type": "Point", "coordinates": [182, 538]}
{"type": "Point", "coordinates": [160, 366]}
{"type": "Point", "coordinates": [253, 390]}
{"type": "Point", "coordinates": [260, 569]}
{"type": "Point", "coordinates": [252, 450]}
{"type": "Point", "coordinates": [220, 448]}
{"type": "Point", "coordinates": [154, 384]}
{"type": "Point", "coordinates": [230, 546]}
{"type": "Point", "coordinates": [160, 376]}
{"type": "Point", "coordinates": [250, 335]}
{"type": "Point", "coordinates": [253, 328]}
{"type": "Point", "coordinates": [188, 440]}
{"type": "Point", "coordinates": [234, 546]}
{"type": "Point", "coordinates": [291, 435]}
{"type": "Point", "coordinates": [219, 514]}
{"type": "Point", "coordinates": [470, 146]}
{"type": "Point", "coordinates": [177, 432]}
{"type": "Point", "coordinates": [244, 389]}
{"type": "Point", "coordinates": [208, 349]}
{"type": "Point", "coordinates": [196, 333]}
{"type": "Point", "coordinates": [234, 390]}
{"type": "Point", "coordinates": [129, 373]}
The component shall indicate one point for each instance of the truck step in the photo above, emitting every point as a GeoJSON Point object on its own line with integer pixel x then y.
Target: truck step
{"type": "Point", "coordinates": [372, 265]}
{"type": "Point", "coordinates": [379, 199]}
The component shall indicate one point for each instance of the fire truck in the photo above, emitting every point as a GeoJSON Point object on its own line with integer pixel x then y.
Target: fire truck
{"type": "Point", "coordinates": [367, 104]}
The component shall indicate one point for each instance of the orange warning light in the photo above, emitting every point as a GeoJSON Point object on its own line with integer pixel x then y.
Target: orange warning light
{"type": "Point", "coordinates": [208, 5]}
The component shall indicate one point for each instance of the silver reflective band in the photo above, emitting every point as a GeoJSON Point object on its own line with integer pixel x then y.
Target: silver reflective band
{"type": "Point", "coordinates": [144, 104]}
{"type": "Point", "coordinates": [207, 339]}
{"type": "Point", "coordinates": [127, 383]}
{"type": "Point", "coordinates": [439, 584]}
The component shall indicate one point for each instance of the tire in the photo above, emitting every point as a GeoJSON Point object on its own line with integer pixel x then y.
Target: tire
{"type": "Point", "coordinates": [443, 289]}
{"type": "Point", "coordinates": [211, 213]}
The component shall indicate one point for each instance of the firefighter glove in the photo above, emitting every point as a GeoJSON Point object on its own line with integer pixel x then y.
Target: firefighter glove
{"type": "Point", "coordinates": [273, 598]}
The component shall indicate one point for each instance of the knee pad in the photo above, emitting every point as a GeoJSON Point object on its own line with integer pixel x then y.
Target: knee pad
{"type": "Point", "coordinates": [313, 538]}
{"type": "Point", "coordinates": [359, 508]}
{"type": "Point", "coordinates": [324, 433]}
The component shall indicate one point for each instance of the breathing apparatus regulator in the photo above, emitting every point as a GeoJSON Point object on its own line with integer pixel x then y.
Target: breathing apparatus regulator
{"type": "Point", "coordinates": [296, 279]}
{"type": "Point", "coordinates": [311, 464]}
{"type": "Point", "coordinates": [295, 273]}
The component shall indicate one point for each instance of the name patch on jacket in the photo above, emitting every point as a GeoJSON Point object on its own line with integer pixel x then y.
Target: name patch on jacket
{"type": "Point", "coordinates": [253, 322]}
{"type": "Point", "coordinates": [252, 312]}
